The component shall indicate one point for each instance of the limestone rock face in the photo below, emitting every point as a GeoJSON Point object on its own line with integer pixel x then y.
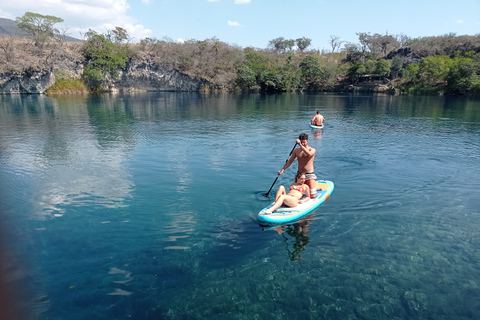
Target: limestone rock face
{"type": "Point", "coordinates": [146, 75]}
{"type": "Point", "coordinates": [139, 75]}
{"type": "Point", "coordinates": [26, 82]}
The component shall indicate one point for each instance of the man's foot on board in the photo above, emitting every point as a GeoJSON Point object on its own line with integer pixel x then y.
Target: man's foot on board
{"type": "Point", "coordinates": [267, 212]}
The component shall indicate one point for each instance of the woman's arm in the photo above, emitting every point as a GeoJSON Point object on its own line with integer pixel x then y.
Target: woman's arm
{"type": "Point", "coordinates": [307, 194]}
{"type": "Point", "coordinates": [307, 191]}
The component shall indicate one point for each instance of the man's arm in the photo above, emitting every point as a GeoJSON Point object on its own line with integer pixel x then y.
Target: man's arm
{"type": "Point", "coordinates": [309, 151]}
{"type": "Point", "coordinates": [289, 162]}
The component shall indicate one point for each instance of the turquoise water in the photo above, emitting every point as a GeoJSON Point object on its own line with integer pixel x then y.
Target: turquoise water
{"type": "Point", "coordinates": [143, 206]}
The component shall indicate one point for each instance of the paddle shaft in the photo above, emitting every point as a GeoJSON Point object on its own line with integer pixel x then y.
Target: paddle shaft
{"type": "Point", "coordinates": [266, 194]}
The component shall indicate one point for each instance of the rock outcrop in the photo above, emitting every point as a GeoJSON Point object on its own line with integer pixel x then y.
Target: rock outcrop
{"type": "Point", "coordinates": [145, 75]}
{"type": "Point", "coordinates": [139, 75]}
{"type": "Point", "coordinates": [26, 82]}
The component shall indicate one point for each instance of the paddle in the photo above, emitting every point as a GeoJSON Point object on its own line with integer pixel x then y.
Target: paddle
{"type": "Point", "coordinates": [266, 194]}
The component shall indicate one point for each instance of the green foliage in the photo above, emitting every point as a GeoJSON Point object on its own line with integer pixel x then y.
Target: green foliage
{"type": "Point", "coordinates": [411, 72]}
{"type": "Point", "coordinates": [396, 67]}
{"type": "Point", "coordinates": [356, 69]}
{"type": "Point", "coordinates": [449, 62]}
{"type": "Point", "coordinates": [370, 66]}
{"type": "Point", "coordinates": [93, 75]}
{"type": "Point", "coordinates": [283, 69]}
{"type": "Point", "coordinates": [317, 73]}
{"type": "Point", "coordinates": [303, 43]}
{"type": "Point", "coordinates": [278, 44]}
{"type": "Point", "coordinates": [260, 64]}
{"type": "Point", "coordinates": [281, 44]}
{"type": "Point", "coordinates": [246, 79]}
{"type": "Point", "coordinates": [272, 80]}
{"type": "Point", "coordinates": [261, 72]}
{"type": "Point", "coordinates": [382, 67]}
{"type": "Point", "coordinates": [462, 78]}
{"type": "Point", "coordinates": [312, 72]}
{"type": "Point", "coordinates": [433, 69]}
{"type": "Point", "coordinates": [104, 58]}
{"type": "Point", "coordinates": [457, 75]}
{"type": "Point", "coordinates": [257, 60]}
{"type": "Point", "coordinates": [40, 27]}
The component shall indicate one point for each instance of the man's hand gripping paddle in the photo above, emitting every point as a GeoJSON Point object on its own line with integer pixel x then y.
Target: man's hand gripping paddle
{"type": "Point", "coordinates": [266, 194]}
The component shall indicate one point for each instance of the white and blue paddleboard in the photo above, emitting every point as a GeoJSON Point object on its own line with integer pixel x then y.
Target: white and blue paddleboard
{"type": "Point", "coordinates": [316, 127]}
{"type": "Point", "coordinates": [289, 214]}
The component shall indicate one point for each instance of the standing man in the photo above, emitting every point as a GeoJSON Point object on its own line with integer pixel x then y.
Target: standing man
{"type": "Point", "coordinates": [317, 119]}
{"type": "Point", "coordinates": [305, 156]}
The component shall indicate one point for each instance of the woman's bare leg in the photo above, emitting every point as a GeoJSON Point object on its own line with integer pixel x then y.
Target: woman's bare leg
{"type": "Point", "coordinates": [283, 200]}
{"type": "Point", "coordinates": [278, 203]}
{"type": "Point", "coordinates": [280, 192]}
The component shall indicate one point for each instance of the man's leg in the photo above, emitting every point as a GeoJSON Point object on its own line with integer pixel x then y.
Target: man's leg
{"type": "Point", "coordinates": [313, 187]}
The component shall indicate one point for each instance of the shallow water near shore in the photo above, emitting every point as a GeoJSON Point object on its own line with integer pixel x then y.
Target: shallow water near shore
{"type": "Point", "coordinates": [143, 206]}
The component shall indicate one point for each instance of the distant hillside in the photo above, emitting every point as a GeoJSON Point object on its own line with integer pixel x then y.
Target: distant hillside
{"type": "Point", "coordinates": [9, 27]}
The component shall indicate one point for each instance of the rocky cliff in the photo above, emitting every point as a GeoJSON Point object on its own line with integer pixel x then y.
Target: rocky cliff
{"type": "Point", "coordinates": [145, 75]}
{"type": "Point", "coordinates": [26, 82]}
{"type": "Point", "coordinates": [139, 75]}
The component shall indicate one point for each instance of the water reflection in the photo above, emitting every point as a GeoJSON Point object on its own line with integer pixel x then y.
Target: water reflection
{"type": "Point", "coordinates": [49, 141]}
{"type": "Point", "coordinates": [295, 236]}
{"type": "Point", "coordinates": [299, 232]}
{"type": "Point", "coordinates": [317, 134]}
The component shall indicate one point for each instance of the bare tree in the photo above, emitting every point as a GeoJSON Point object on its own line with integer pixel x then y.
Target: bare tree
{"type": "Point", "coordinates": [363, 38]}
{"type": "Point", "coordinates": [335, 42]}
{"type": "Point", "coordinates": [403, 40]}
{"type": "Point", "coordinates": [62, 34]}
{"type": "Point", "coordinates": [354, 52]}
{"type": "Point", "coordinates": [387, 43]}
{"type": "Point", "coordinates": [7, 44]}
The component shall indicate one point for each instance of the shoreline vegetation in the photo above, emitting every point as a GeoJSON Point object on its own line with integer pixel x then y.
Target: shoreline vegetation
{"type": "Point", "coordinates": [395, 64]}
{"type": "Point", "coordinates": [68, 86]}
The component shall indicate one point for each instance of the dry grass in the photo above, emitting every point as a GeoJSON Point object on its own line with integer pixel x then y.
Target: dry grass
{"type": "Point", "coordinates": [18, 55]}
{"type": "Point", "coordinates": [68, 86]}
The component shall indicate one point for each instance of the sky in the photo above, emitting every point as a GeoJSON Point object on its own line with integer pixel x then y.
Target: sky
{"type": "Point", "coordinates": [253, 23]}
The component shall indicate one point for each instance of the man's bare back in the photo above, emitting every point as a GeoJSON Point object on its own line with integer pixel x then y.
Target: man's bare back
{"type": "Point", "coordinates": [318, 119]}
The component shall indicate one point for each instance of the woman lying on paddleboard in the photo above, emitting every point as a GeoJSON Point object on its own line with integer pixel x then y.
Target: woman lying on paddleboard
{"type": "Point", "coordinates": [292, 198]}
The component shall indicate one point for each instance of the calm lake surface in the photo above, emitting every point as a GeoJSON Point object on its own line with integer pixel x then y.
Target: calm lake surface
{"type": "Point", "coordinates": [143, 206]}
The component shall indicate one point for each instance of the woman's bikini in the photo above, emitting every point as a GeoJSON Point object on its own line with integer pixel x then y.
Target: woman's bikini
{"type": "Point", "coordinates": [296, 188]}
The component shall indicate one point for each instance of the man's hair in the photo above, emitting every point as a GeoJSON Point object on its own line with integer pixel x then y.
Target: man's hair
{"type": "Point", "coordinates": [318, 112]}
{"type": "Point", "coordinates": [303, 136]}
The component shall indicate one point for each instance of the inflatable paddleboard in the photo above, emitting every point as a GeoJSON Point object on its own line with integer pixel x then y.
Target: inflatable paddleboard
{"type": "Point", "coordinates": [288, 214]}
{"type": "Point", "coordinates": [316, 127]}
